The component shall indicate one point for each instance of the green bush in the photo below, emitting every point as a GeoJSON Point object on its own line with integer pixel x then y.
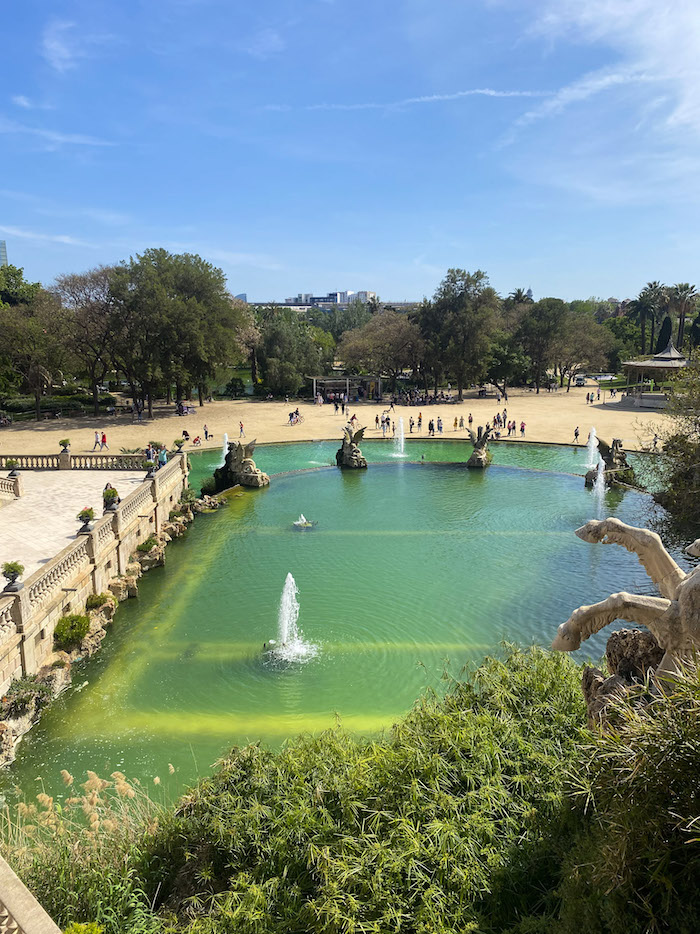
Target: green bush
{"type": "Point", "coordinates": [175, 514]}
{"type": "Point", "coordinates": [96, 600]}
{"type": "Point", "coordinates": [70, 631]}
{"type": "Point", "coordinates": [147, 545]}
{"type": "Point", "coordinates": [188, 496]}
{"type": "Point", "coordinates": [20, 695]}
{"type": "Point", "coordinates": [208, 486]}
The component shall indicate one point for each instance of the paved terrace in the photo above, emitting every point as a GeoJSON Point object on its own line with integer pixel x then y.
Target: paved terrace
{"type": "Point", "coordinates": [35, 527]}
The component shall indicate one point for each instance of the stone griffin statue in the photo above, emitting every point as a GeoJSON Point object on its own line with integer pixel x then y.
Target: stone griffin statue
{"type": "Point", "coordinates": [672, 620]}
{"type": "Point", "coordinates": [616, 466]}
{"type": "Point", "coordinates": [349, 453]}
{"type": "Point", "coordinates": [239, 468]}
{"type": "Point", "coordinates": [481, 456]}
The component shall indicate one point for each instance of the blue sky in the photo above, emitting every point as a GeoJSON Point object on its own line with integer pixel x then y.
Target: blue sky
{"type": "Point", "coordinates": [309, 145]}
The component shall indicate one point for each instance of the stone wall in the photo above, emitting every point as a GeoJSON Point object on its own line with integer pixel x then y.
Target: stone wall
{"type": "Point", "coordinates": [28, 618]}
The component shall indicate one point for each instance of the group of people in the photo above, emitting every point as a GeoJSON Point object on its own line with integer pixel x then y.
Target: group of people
{"type": "Point", "coordinates": [158, 457]}
{"type": "Point", "coordinates": [592, 397]}
{"type": "Point", "coordinates": [100, 441]}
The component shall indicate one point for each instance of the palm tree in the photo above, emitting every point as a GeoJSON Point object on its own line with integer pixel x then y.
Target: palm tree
{"type": "Point", "coordinates": [683, 298]}
{"type": "Point", "coordinates": [646, 307]}
{"type": "Point", "coordinates": [519, 297]}
{"type": "Point", "coordinates": [659, 303]}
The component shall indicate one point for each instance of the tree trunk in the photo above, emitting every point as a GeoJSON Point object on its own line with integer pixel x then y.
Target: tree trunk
{"type": "Point", "coordinates": [178, 392]}
{"type": "Point", "coordinates": [644, 333]}
{"type": "Point", "coordinates": [435, 391]}
{"type": "Point", "coordinates": [200, 391]}
{"type": "Point", "coordinates": [169, 394]}
{"type": "Point", "coordinates": [460, 389]}
{"type": "Point", "coordinates": [651, 336]}
{"type": "Point", "coordinates": [37, 404]}
{"type": "Point", "coordinates": [568, 385]}
{"type": "Point", "coordinates": [253, 367]}
{"type": "Point", "coordinates": [681, 328]}
{"type": "Point", "coordinates": [95, 398]}
{"type": "Point", "coordinates": [149, 396]}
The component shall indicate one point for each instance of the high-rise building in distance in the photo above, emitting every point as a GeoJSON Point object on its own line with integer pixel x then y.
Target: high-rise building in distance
{"type": "Point", "coordinates": [3, 253]}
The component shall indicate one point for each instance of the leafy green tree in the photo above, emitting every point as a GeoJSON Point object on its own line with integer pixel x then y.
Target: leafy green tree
{"type": "Point", "coordinates": [581, 344]}
{"type": "Point", "coordinates": [14, 288]}
{"type": "Point", "coordinates": [507, 365]}
{"type": "Point", "coordinates": [430, 321]}
{"type": "Point", "coordinates": [388, 344]}
{"type": "Point", "coordinates": [175, 322]}
{"type": "Point", "coordinates": [91, 326]}
{"type": "Point", "coordinates": [324, 341]}
{"type": "Point", "coordinates": [538, 334]}
{"type": "Point", "coordinates": [626, 336]}
{"type": "Point", "coordinates": [36, 338]}
{"type": "Point", "coordinates": [287, 352]}
{"type": "Point", "coordinates": [466, 306]}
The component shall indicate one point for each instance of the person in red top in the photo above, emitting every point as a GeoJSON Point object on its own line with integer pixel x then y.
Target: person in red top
{"type": "Point", "coordinates": [104, 442]}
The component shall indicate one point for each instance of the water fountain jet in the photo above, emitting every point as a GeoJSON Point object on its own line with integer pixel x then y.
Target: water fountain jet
{"type": "Point", "coordinates": [224, 451]}
{"type": "Point", "coordinates": [399, 440]}
{"type": "Point", "coordinates": [290, 645]}
{"type": "Point", "coordinates": [592, 454]}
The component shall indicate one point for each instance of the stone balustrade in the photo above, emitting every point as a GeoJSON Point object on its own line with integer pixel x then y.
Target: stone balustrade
{"type": "Point", "coordinates": [20, 912]}
{"type": "Point", "coordinates": [10, 487]}
{"type": "Point", "coordinates": [107, 461]}
{"type": "Point", "coordinates": [32, 461]}
{"type": "Point", "coordinates": [28, 617]}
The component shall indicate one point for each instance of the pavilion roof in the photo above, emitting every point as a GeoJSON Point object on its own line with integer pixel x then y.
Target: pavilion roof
{"type": "Point", "coordinates": [668, 359]}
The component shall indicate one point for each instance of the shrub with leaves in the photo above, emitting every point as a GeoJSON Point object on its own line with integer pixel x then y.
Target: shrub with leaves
{"type": "Point", "coordinates": [70, 631]}
{"type": "Point", "coordinates": [96, 600]}
{"type": "Point", "coordinates": [208, 486]}
{"type": "Point", "coordinates": [147, 545]}
{"type": "Point", "coordinates": [188, 496]}
{"type": "Point", "coordinates": [11, 570]}
{"type": "Point", "coordinates": [22, 693]}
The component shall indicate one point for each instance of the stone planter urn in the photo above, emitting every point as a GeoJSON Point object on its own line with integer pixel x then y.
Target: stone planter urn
{"type": "Point", "coordinates": [86, 517]}
{"type": "Point", "coordinates": [151, 471]}
{"type": "Point", "coordinates": [12, 571]}
{"type": "Point", "coordinates": [86, 527]}
{"type": "Point", "coordinates": [13, 473]}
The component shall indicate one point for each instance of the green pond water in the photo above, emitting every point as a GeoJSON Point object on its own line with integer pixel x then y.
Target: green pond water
{"type": "Point", "coordinates": [412, 567]}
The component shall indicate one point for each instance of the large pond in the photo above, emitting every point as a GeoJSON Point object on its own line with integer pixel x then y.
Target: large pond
{"type": "Point", "coordinates": [413, 568]}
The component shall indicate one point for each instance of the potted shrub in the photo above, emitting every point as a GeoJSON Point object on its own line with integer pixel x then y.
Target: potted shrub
{"type": "Point", "coordinates": [11, 571]}
{"type": "Point", "coordinates": [86, 515]}
{"type": "Point", "coordinates": [12, 464]}
{"type": "Point", "coordinates": [110, 499]}
{"type": "Point", "coordinates": [151, 466]}
{"type": "Point", "coordinates": [179, 444]}
{"type": "Point", "coordinates": [65, 444]}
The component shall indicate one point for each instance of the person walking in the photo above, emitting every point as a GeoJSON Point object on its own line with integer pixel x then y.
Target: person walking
{"type": "Point", "coordinates": [411, 423]}
{"type": "Point", "coordinates": [470, 419]}
{"type": "Point", "coordinates": [241, 433]}
{"type": "Point", "coordinates": [461, 423]}
{"type": "Point", "coordinates": [206, 433]}
{"type": "Point", "coordinates": [522, 429]}
{"type": "Point", "coordinates": [420, 422]}
{"type": "Point", "coordinates": [97, 441]}
{"type": "Point", "coordinates": [103, 442]}
{"type": "Point", "coordinates": [454, 425]}
{"type": "Point", "coordinates": [576, 433]}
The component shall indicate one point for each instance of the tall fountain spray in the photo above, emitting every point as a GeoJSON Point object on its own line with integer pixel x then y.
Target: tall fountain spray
{"type": "Point", "coordinates": [290, 644]}
{"type": "Point", "coordinates": [399, 440]}
{"type": "Point", "coordinates": [592, 454]}
{"type": "Point", "coordinates": [599, 483]}
{"type": "Point", "coordinates": [224, 451]}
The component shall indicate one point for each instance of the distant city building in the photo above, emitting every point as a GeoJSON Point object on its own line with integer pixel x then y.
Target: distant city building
{"type": "Point", "coordinates": [3, 253]}
{"type": "Point", "coordinates": [243, 296]}
{"type": "Point", "coordinates": [332, 298]}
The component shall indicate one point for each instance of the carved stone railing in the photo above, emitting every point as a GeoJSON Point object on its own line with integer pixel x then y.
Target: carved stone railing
{"type": "Point", "coordinates": [107, 461]}
{"type": "Point", "coordinates": [32, 461]}
{"type": "Point", "coordinates": [104, 533]}
{"type": "Point", "coordinates": [10, 486]}
{"type": "Point", "coordinates": [45, 583]}
{"type": "Point", "coordinates": [171, 470]}
{"type": "Point", "coordinates": [20, 912]}
{"type": "Point", "coordinates": [7, 623]}
{"type": "Point", "coordinates": [130, 508]}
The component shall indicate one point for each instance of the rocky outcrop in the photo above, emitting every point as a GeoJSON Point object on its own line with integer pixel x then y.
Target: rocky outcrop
{"type": "Point", "coordinates": [481, 456]}
{"type": "Point", "coordinates": [349, 454]}
{"type": "Point", "coordinates": [632, 655]}
{"type": "Point", "coordinates": [239, 468]}
{"type": "Point", "coordinates": [672, 620]}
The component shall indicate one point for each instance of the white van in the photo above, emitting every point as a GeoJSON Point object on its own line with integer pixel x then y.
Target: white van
{"type": "Point", "coordinates": [579, 380]}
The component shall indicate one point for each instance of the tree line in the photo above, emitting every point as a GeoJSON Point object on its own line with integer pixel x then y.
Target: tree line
{"type": "Point", "coordinates": [166, 324]}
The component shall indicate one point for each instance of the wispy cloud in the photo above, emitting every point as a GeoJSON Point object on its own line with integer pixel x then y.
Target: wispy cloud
{"type": "Point", "coordinates": [660, 41]}
{"type": "Point", "coordinates": [63, 45]}
{"type": "Point", "coordinates": [579, 91]}
{"type": "Point", "coordinates": [55, 137]}
{"type": "Point", "coordinates": [412, 101]}
{"type": "Point", "coordinates": [21, 234]}
{"type": "Point", "coordinates": [264, 44]}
